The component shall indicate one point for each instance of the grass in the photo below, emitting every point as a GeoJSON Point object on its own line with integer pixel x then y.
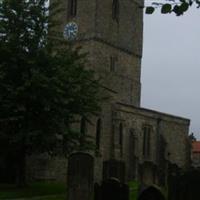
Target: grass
{"type": "Point", "coordinates": [57, 197]}
{"type": "Point", "coordinates": [34, 190]}
{"type": "Point", "coordinates": [133, 186]}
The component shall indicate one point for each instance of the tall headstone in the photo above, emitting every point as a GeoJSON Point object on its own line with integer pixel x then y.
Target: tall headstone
{"type": "Point", "coordinates": [80, 176]}
{"type": "Point", "coordinates": [111, 189]}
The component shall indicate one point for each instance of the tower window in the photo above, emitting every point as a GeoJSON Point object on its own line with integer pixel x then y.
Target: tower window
{"type": "Point", "coordinates": [146, 140]}
{"type": "Point", "coordinates": [132, 141]}
{"type": "Point", "coordinates": [115, 10]}
{"type": "Point", "coordinates": [120, 134]}
{"type": "Point", "coordinates": [82, 130]}
{"type": "Point", "coordinates": [113, 61]}
{"type": "Point", "coordinates": [121, 138]}
{"type": "Point", "coordinates": [98, 134]}
{"type": "Point", "coordinates": [132, 154]}
{"type": "Point", "coordinates": [72, 8]}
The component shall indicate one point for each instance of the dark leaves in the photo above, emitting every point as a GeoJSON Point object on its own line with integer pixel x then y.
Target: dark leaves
{"type": "Point", "coordinates": [44, 84]}
{"type": "Point", "coordinates": [166, 8]}
{"type": "Point", "coordinates": [150, 10]}
{"type": "Point", "coordinates": [179, 8]}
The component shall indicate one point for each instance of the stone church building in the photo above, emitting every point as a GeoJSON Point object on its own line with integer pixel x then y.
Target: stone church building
{"type": "Point", "coordinates": [132, 143]}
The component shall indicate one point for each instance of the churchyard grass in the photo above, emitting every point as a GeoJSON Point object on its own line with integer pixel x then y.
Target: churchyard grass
{"type": "Point", "coordinates": [38, 189]}
{"type": "Point", "coordinates": [133, 188]}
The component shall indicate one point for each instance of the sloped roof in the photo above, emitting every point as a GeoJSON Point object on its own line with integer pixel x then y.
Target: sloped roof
{"type": "Point", "coordinates": [196, 146]}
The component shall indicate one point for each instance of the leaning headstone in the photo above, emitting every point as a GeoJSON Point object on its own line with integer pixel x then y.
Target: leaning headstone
{"type": "Point", "coordinates": [151, 193]}
{"type": "Point", "coordinates": [80, 176]}
{"type": "Point", "coordinates": [124, 194]}
{"type": "Point", "coordinates": [111, 189]}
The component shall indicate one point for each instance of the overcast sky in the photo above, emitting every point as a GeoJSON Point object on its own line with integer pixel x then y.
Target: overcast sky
{"type": "Point", "coordinates": [171, 65]}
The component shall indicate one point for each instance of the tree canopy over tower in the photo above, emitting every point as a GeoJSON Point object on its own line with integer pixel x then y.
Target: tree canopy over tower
{"type": "Point", "coordinates": [44, 84]}
{"type": "Point", "coordinates": [179, 7]}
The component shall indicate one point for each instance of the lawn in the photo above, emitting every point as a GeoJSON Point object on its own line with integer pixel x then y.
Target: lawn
{"type": "Point", "coordinates": [57, 197]}
{"type": "Point", "coordinates": [54, 191]}
{"type": "Point", "coordinates": [133, 188]}
{"type": "Point", "coordinates": [47, 191]}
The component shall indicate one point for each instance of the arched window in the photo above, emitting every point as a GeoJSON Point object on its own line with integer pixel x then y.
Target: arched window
{"type": "Point", "coordinates": [120, 134]}
{"type": "Point", "coordinates": [98, 134]}
{"type": "Point", "coordinates": [132, 154]}
{"type": "Point", "coordinates": [146, 141]}
{"type": "Point", "coordinates": [121, 137]}
{"type": "Point", "coordinates": [83, 126]}
{"type": "Point", "coordinates": [132, 141]}
{"type": "Point", "coordinates": [115, 10]}
{"type": "Point", "coordinates": [72, 8]}
{"type": "Point", "coordinates": [113, 63]}
{"type": "Point", "coordinates": [82, 130]}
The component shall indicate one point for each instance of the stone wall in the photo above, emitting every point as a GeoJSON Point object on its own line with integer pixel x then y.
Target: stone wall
{"type": "Point", "coordinates": [125, 33]}
{"type": "Point", "coordinates": [173, 129]}
{"type": "Point", "coordinates": [46, 168]}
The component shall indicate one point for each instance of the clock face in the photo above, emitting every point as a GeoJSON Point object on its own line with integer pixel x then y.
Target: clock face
{"type": "Point", "coordinates": [70, 31]}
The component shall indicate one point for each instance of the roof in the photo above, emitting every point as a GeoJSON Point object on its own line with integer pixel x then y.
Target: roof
{"type": "Point", "coordinates": [160, 114]}
{"type": "Point", "coordinates": [196, 146]}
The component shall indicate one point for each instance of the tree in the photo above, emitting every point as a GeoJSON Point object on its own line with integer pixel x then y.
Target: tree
{"type": "Point", "coordinates": [44, 84]}
{"type": "Point", "coordinates": [192, 137]}
{"type": "Point", "coordinates": [179, 7]}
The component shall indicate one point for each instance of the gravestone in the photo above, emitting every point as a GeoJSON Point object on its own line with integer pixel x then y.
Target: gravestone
{"type": "Point", "coordinates": [124, 192]}
{"type": "Point", "coordinates": [112, 189]}
{"type": "Point", "coordinates": [114, 168]}
{"type": "Point", "coordinates": [7, 169]}
{"type": "Point", "coordinates": [188, 186]}
{"type": "Point", "coordinates": [80, 176]}
{"type": "Point", "coordinates": [97, 192]}
{"type": "Point", "coordinates": [151, 193]}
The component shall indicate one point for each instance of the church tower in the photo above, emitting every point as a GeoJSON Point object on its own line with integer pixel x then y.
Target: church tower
{"type": "Point", "coordinates": [111, 31]}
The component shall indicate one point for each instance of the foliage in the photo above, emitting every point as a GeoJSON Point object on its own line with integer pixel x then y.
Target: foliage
{"type": "Point", "coordinates": [44, 84]}
{"type": "Point", "coordinates": [179, 7]}
{"type": "Point", "coordinates": [192, 137]}
{"type": "Point", "coordinates": [33, 190]}
{"type": "Point", "coordinates": [134, 189]}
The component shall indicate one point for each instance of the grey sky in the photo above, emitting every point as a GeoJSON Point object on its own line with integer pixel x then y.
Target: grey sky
{"type": "Point", "coordinates": [171, 65]}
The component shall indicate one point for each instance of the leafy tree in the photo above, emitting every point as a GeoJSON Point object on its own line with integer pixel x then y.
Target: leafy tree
{"type": "Point", "coordinates": [43, 85]}
{"type": "Point", "coordinates": [179, 7]}
{"type": "Point", "coordinates": [192, 137]}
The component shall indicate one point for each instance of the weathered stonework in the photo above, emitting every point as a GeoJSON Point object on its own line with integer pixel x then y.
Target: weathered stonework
{"type": "Point", "coordinates": [123, 120]}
